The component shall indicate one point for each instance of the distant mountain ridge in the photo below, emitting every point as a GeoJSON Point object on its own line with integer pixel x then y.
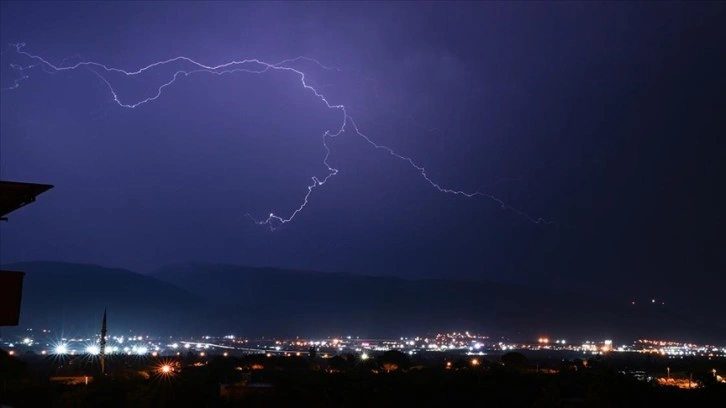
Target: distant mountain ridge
{"type": "Point", "coordinates": [199, 297]}
{"type": "Point", "coordinates": [306, 302]}
{"type": "Point", "coordinates": [73, 296]}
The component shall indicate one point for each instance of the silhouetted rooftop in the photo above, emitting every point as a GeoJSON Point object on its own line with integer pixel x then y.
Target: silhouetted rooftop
{"type": "Point", "coordinates": [14, 195]}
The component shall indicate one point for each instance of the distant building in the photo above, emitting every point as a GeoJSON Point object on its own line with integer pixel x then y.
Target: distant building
{"type": "Point", "coordinates": [73, 380]}
{"type": "Point", "coordinates": [243, 389]}
{"type": "Point", "coordinates": [14, 195]}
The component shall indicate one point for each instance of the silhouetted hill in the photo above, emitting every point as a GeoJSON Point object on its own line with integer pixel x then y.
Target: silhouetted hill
{"type": "Point", "coordinates": [188, 298]}
{"type": "Point", "coordinates": [72, 297]}
{"type": "Point", "coordinates": [284, 302]}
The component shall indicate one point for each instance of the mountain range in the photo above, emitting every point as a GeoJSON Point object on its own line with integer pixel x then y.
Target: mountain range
{"type": "Point", "coordinates": [222, 299]}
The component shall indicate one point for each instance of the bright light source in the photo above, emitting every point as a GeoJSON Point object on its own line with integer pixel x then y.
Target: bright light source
{"type": "Point", "coordinates": [364, 356]}
{"type": "Point", "coordinates": [61, 349]}
{"type": "Point", "coordinates": [166, 368]}
{"type": "Point", "coordinates": [141, 350]}
{"type": "Point", "coordinates": [474, 362]}
{"type": "Point", "coordinates": [93, 350]}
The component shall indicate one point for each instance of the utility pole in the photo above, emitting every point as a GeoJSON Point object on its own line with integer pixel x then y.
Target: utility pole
{"type": "Point", "coordinates": [103, 344]}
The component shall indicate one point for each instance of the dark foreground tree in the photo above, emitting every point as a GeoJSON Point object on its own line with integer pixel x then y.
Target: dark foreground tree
{"type": "Point", "coordinates": [515, 360]}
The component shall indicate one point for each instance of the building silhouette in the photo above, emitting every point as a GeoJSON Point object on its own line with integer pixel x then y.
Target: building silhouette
{"type": "Point", "coordinates": [14, 195]}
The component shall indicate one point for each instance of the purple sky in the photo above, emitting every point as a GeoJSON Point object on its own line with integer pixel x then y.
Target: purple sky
{"type": "Point", "coordinates": [604, 118]}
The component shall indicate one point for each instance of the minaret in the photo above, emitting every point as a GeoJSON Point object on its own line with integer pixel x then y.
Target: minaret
{"type": "Point", "coordinates": [102, 350]}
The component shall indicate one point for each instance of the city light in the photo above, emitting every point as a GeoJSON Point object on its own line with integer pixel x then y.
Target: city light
{"type": "Point", "coordinates": [464, 343]}
{"type": "Point", "coordinates": [167, 368]}
{"type": "Point", "coordinates": [459, 351]}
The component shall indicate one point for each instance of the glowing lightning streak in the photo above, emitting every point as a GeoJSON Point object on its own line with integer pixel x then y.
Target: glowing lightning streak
{"type": "Point", "coordinates": [248, 66]}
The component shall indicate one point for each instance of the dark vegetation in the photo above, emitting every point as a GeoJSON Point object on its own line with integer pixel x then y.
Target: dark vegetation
{"type": "Point", "coordinates": [390, 379]}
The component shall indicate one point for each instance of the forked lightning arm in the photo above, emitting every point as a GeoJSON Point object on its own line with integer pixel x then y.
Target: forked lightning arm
{"type": "Point", "coordinates": [253, 66]}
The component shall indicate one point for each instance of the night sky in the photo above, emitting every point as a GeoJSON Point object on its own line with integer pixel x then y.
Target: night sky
{"type": "Point", "coordinates": [606, 120]}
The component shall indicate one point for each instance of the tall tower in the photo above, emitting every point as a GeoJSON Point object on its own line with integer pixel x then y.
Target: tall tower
{"type": "Point", "coordinates": [102, 350]}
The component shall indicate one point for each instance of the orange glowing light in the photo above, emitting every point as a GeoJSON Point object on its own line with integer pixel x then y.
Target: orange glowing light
{"type": "Point", "coordinates": [166, 368]}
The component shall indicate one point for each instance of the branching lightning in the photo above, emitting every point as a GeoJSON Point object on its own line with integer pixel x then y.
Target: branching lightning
{"type": "Point", "coordinates": [252, 66]}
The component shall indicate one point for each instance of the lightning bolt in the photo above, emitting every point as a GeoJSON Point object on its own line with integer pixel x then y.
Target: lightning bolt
{"type": "Point", "coordinates": [254, 66]}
